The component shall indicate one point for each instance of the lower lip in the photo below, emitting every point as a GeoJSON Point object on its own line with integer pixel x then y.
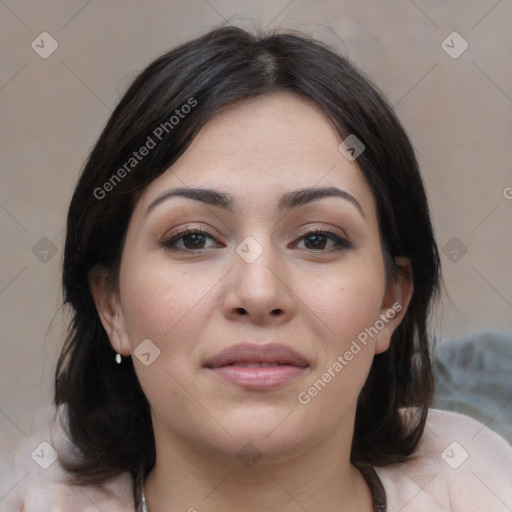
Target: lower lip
{"type": "Point", "coordinates": [259, 377]}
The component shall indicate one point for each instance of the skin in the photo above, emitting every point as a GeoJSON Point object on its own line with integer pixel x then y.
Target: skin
{"type": "Point", "coordinates": [314, 298]}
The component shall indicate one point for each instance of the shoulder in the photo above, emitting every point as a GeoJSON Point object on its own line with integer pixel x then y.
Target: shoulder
{"type": "Point", "coordinates": [459, 465]}
{"type": "Point", "coordinates": [36, 482]}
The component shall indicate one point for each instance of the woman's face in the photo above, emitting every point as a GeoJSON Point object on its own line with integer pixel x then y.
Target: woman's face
{"type": "Point", "coordinates": [271, 266]}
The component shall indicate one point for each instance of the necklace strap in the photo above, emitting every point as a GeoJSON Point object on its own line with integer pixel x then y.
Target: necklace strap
{"type": "Point", "coordinates": [143, 503]}
{"type": "Point", "coordinates": [369, 474]}
{"type": "Point", "coordinates": [376, 488]}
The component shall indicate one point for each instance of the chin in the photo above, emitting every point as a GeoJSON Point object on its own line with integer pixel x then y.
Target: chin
{"type": "Point", "coordinates": [275, 433]}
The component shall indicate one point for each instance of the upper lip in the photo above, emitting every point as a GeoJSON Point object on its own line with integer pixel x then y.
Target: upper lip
{"type": "Point", "coordinates": [254, 353]}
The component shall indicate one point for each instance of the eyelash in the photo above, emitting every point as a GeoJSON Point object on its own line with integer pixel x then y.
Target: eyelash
{"type": "Point", "coordinates": [170, 243]}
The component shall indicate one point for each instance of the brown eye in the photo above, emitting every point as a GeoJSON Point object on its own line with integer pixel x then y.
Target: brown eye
{"type": "Point", "coordinates": [191, 239]}
{"type": "Point", "coordinates": [318, 239]}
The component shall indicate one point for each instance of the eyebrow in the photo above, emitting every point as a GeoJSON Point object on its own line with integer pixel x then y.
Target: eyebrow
{"type": "Point", "coordinates": [287, 202]}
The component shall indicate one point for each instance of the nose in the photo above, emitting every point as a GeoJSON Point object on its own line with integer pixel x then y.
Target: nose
{"type": "Point", "coordinates": [259, 291]}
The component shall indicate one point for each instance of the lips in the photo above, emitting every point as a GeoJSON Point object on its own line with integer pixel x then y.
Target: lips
{"type": "Point", "coordinates": [257, 367]}
{"type": "Point", "coordinates": [251, 355]}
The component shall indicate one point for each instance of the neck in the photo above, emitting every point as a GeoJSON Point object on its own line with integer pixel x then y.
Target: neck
{"type": "Point", "coordinates": [319, 479]}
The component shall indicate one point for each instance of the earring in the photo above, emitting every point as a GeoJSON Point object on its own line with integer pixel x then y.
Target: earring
{"type": "Point", "coordinates": [118, 358]}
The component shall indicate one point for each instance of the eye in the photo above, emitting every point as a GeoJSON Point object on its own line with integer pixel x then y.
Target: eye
{"type": "Point", "coordinates": [317, 239]}
{"type": "Point", "coordinates": [193, 239]}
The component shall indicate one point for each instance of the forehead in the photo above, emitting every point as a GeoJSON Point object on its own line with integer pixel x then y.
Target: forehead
{"type": "Point", "coordinates": [262, 148]}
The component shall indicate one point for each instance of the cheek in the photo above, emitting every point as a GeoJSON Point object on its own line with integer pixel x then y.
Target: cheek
{"type": "Point", "coordinates": [169, 307]}
{"type": "Point", "coordinates": [356, 305]}
{"type": "Point", "coordinates": [343, 303]}
{"type": "Point", "coordinates": [164, 304]}
{"type": "Point", "coordinates": [346, 306]}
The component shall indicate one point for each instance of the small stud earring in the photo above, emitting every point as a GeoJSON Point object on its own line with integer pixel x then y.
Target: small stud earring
{"type": "Point", "coordinates": [118, 358]}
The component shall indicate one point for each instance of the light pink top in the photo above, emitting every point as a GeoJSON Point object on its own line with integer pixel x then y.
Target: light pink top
{"type": "Point", "coordinates": [461, 466]}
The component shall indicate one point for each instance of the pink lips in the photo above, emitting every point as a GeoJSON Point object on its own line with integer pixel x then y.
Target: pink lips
{"type": "Point", "coordinates": [257, 367]}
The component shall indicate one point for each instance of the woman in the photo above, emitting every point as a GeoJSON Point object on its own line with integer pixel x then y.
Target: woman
{"type": "Point", "coordinates": [250, 264]}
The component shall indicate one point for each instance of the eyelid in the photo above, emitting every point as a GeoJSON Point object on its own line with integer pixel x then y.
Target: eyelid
{"type": "Point", "coordinates": [323, 227]}
{"type": "Point", "coordinates": [187, 229]}
{"type": "Point", "coordinates": [189, 225]}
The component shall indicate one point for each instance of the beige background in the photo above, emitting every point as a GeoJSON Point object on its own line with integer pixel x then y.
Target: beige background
{"type": "Point", "coordinates": [458, 113]}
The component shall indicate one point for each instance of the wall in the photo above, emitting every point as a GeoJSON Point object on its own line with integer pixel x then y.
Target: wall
{"type": "Point", "coordinates": [458, 112]}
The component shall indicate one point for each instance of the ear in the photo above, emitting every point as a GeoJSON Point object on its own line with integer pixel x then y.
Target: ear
{"type": "Point", "coordinates": [396, 300]}
{"type": "Point", "coordinates": [109, 309]}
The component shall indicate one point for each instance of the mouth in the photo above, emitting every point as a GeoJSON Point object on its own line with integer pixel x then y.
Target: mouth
{"type": "Point", "coordinates": [257, 367]}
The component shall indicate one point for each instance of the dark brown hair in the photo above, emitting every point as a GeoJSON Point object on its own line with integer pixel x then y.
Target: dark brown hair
{"type": "Point", "coordinates": [107, 414]}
